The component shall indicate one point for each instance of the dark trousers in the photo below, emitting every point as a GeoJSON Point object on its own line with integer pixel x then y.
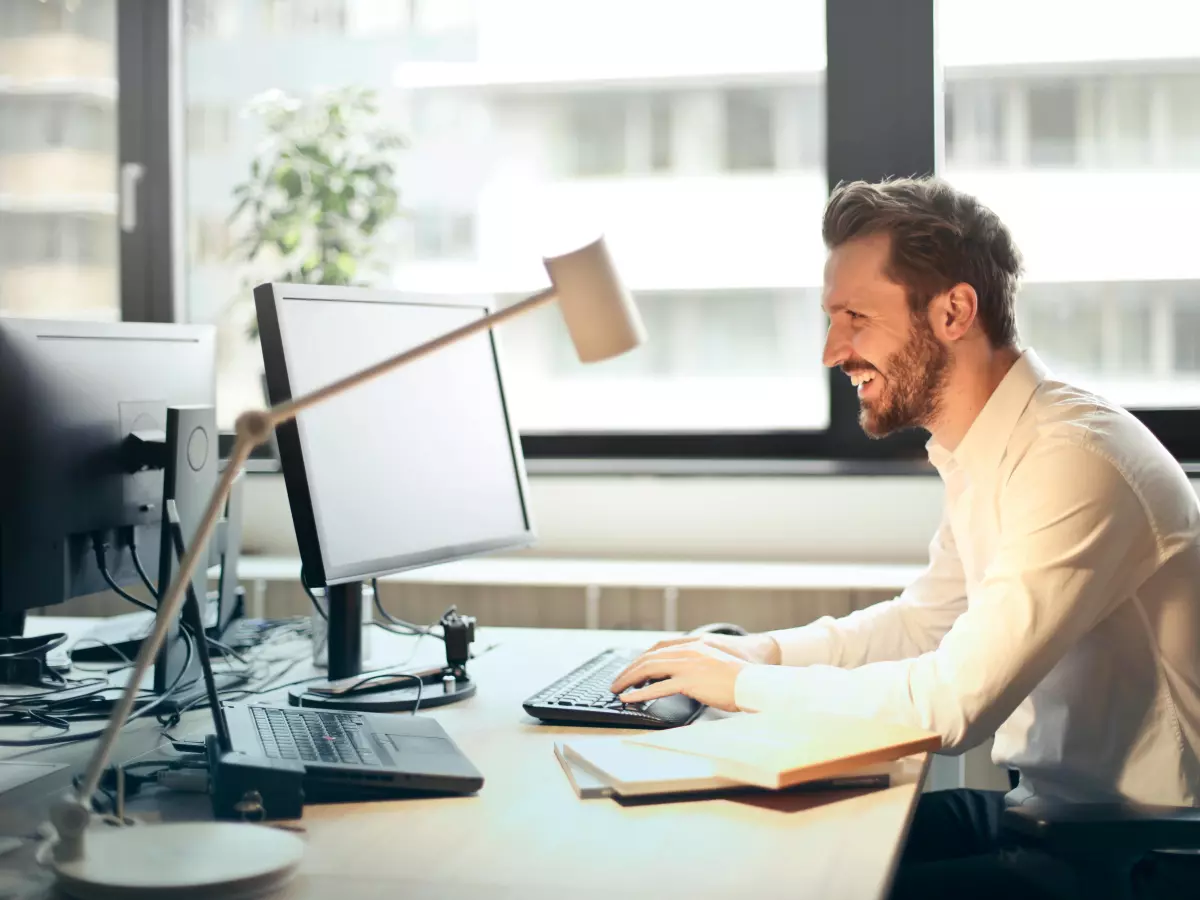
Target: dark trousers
{"type": "Point", "coordinates": [955, 849]}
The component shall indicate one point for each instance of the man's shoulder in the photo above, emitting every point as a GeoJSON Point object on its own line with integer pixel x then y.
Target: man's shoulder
{"type": "Point", "coordinates": [1071, 423]}
{"type": "Point", "coordinates": [1065, 415]}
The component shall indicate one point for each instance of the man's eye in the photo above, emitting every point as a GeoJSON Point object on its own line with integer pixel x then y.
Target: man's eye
{"type": "Point", "coordinates": [853, 315]}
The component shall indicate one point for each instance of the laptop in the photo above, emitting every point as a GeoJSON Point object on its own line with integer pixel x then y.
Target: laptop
{"type": "Point", "coordinates": [346, 755]}
{"type": "Point", "coordinates": [351, 756]}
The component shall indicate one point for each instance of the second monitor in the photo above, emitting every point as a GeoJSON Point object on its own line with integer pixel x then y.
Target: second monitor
{"type": "Point", "coordinates": [422, 466]}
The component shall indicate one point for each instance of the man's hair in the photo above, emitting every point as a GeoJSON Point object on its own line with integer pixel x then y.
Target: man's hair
{"type": "Point", "coordinates": [940, 237]}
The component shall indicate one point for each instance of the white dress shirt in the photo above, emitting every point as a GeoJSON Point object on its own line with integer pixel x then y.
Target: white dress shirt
{"type": "Point", "coordinates": [1060, 609]}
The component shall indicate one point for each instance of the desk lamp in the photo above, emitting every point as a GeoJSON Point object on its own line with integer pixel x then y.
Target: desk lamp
{"type": "Point", "coordinates": [225, 859]}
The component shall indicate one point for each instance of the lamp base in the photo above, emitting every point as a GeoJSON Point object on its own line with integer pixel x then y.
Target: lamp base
{"type": "Point", "coordinates": [192, 860]}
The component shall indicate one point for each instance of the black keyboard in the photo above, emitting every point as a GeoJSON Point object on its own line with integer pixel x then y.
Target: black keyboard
{"type": "Point", "coordinates": [313, 736]}
{"type": "Point", "coordinates": [582, 696]}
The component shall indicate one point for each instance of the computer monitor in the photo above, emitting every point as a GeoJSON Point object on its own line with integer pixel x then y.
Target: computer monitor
{"type": "Point", "coordinates": [421, 466]}
{"type": "Point", "coordinates": [71, 394]}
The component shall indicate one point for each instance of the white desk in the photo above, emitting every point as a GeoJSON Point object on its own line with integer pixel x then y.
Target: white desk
{"type": "Point", "coordinates": [594, 575]}
{"type": "Point", "coordinates": [526, 834]}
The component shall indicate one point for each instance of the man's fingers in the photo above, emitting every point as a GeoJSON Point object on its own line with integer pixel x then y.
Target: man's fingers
{"type": "Point", "coordinates": [652, 691]}
{"type": "Point", "coordinates": [644, 670]}
{"type": "Point", "coordinates": [670, 642]}
{"type": "Point", "coordinates": [654, 652]}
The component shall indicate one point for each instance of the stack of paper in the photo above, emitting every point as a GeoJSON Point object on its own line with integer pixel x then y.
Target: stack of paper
{"type": "Point", "coordinates": [764, 751]}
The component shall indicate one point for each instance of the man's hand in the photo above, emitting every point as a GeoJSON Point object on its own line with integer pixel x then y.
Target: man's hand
{"type": "Point", "coordinates": [754, 648]}
{"type": "Point", "coordinates": [696, 668]}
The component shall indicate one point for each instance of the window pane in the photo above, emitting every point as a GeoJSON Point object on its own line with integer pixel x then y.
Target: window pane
{"type": "Point", "coordinates": [58, 159]}
{"type": "Point", "coordinates": [661, 123]}
{"type": "Point", "coordinates": [1053, 123]}
{"type": "Point", "coordinates": [1083, 141]}
{"type": "Point", "coordinates": [697, 149]}
{"type": "Point", "coordinates": [749, 130]}
{"type": "Point", "coordinates": [1187, 338]}
{"type": "Point", "coordinates": [597, 128]}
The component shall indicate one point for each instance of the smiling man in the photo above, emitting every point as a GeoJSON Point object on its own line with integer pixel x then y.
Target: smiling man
{"type": "Point", "coordinates": [1061, 607]}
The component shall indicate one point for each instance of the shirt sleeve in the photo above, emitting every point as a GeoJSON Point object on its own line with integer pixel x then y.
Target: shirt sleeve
{"type": "Point", "coordinates": [1075, 542]}
{"type": "Point", "coordinates": [909, 625]}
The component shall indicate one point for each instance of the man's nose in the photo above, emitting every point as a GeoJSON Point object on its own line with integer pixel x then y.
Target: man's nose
{"type": "Point", "coordinates": [837, 347]}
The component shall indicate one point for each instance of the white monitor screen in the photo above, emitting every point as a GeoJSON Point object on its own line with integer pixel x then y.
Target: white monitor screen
{"type": "Point", "coordinates": [417, 467]}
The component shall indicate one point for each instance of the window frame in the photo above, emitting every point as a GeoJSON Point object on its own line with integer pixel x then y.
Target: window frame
{"type": "Point", "coordinates": [148, 33]}
{"type": "Point", "coordinates": [883, 107]}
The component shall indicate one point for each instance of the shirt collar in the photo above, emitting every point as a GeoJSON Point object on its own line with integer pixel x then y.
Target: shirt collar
{"type": "Point", "coordinates": [983, 445]}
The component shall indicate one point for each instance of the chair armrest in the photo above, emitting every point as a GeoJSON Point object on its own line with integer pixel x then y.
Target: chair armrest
{"type": "Point", "coordinates": [1098, 827]}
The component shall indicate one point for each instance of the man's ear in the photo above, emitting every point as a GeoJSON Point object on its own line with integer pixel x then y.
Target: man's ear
{"type": "Point", "coordinates": [952, 313]}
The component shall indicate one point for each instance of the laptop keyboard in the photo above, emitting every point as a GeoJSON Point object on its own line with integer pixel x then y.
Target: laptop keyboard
{"type": "Point", "coordinates": [314, 736]}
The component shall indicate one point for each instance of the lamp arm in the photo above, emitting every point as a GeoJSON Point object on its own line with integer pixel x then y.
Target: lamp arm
{"type": "Point", "coordinates": [167, 612]}
{"type": "Point", "coordinates": [72, 815]}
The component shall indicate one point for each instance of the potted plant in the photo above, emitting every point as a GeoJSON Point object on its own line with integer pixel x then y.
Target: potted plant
{"type": "Point", "coordinates": [315, 208]}
{"type": "Point", "coordinates": [321, 190]}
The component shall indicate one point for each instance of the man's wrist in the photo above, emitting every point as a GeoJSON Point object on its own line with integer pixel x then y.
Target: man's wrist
{"type": "Point", "coordinates": [768, 650]}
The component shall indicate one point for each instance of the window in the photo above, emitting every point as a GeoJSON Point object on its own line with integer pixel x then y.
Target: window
{"type": "Point", "coordinates": [975, 122]}
{"type": "Point", "coordinates": [35, 240]}
{"type": "Point", "coordinates": [598, 134]}
{"type": "Point", "coordinates": [209, 129]}
{"type": "Point", "coordinates": [1053, 123]}
{"type": "Point", "coordinates": [740, 349]}
{"type": "Point", "coordinates": [306, 17]}
{"type": "Point", "coordinates": [1083, 149]}
{"type": "Point", "coordinates": [45, 123]}
{"type": "Point", "coordinates": [210, 18]}
{"type": "Point", "coordinates": [700, 152]}
{"type": "Point", "coordinates": [210, 241]}
{"type": "Point", "coordinates": [443, 236]}
{"type": "Point", "coordinates": [660, 133]}
{"type": "Point", "coordinates": [58, 159]}
{"type": "Point", "coordinates": [1183, 111]}
{"type": "Point", "coordinates": [619, 134]}
{"type": "Point", "coordinates": [579, 117]}
{"type": "Point", "coordinates": [749, 130]}
{"type": "Point", "coordinates": [1187, 338]}
{"type": "Point", "coordinates": [1123, 120]}
{"type": "Point", "coordinates": [441, 16]}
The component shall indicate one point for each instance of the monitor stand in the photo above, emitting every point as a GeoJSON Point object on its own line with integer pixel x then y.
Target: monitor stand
{"type": "Point", "coordinates": [348, 687]}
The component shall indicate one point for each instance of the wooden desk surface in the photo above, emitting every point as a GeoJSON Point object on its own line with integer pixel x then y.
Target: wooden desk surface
{"type": "Point", "coordinates": [526, 834]}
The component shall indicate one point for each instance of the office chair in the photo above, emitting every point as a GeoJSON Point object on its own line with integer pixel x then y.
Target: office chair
{"type": "Point", "coordinates": [1105, 841]}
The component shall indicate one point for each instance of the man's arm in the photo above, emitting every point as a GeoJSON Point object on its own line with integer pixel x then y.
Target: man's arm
{"type": "Point", "coordinates": [909, 625]}
{"type": "Point", "coordinates": [1075, 543]}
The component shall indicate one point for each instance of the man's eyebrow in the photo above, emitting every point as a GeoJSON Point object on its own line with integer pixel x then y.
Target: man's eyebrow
{"type": "Point", "coordinates": [835, 306]}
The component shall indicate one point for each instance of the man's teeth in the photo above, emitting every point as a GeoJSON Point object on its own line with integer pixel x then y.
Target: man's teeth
{"type": "Point", "coordinates": [857, 378]}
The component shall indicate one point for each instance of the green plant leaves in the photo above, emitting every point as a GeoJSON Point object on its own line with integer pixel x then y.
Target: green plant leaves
{"type": "Point", "coordinates": [321, 188]}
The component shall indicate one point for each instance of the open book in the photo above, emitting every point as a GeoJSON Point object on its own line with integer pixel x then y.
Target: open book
{"type": "Point", "coordinates": [773, 750]}
{"type": "Point", "coordinates": [766, 751]}
{"type": "Point", "coordinates": [630, 770]}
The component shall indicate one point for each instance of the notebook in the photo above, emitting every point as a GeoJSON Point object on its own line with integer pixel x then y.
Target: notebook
{"type": "Point", "coordinates": [585, 785]}
{"type": "Point", "coordinates": [631, 770]}
{"type": "Point", "coordinates": [608, 766]}
{"type": "Point", "coordinates": [774, 750]}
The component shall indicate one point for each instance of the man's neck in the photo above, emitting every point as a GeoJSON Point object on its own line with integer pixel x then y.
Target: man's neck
{"type": "Point", "coordinates": [970, 387]}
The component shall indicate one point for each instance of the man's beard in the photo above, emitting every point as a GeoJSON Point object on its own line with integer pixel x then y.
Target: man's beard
{"type": "Point", "coordinates": [912, 389]}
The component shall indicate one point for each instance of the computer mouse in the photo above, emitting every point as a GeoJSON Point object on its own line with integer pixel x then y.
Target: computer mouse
{"type": "Point", "coordinates": [719, 628]}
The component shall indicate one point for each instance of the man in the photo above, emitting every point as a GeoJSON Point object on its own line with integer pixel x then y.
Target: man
{"type": "Point", "coordinates": [1061, 606]}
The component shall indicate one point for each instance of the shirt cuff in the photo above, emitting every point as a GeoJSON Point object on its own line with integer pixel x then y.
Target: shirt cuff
{"type": "Point", "coordinates": [808, 645]}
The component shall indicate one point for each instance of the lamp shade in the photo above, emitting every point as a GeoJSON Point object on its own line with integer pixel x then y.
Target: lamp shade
{"type": "Point", "coordinates": [599, 312]}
